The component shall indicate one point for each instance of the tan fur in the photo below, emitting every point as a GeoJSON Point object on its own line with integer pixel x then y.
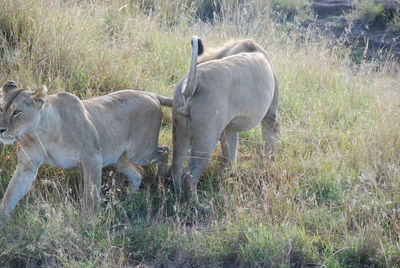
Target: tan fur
{"type": "Point", "coordinates": [235, 89]}
{"type": "Point", "coordinates": [119, 129]}
{"type": "Point", "coordinates": [232, 48]}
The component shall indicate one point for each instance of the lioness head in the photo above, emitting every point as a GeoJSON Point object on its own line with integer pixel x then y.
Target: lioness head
{"type": "Point", "coordinates": [19, 111]}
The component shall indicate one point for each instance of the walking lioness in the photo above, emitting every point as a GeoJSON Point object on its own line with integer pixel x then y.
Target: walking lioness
{"type": "Point", "coordinates": [119, 129]}
{"type": "Point", "coordinates": [228, 91]}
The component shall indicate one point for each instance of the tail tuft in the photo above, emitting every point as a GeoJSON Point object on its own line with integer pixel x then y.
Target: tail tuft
{"type": "Point", "coordinates": [200, 47]}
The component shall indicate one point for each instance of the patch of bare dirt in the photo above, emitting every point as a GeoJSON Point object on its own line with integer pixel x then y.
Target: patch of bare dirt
{"type": "Point", "coordinates": [370, 39]}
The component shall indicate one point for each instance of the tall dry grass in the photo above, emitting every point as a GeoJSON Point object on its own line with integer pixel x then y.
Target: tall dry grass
{"type": "Point", "coordinates": [330, 198]}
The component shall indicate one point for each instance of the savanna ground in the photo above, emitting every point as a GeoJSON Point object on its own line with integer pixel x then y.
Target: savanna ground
{"type": "Point", "coordinates": [331, 197]}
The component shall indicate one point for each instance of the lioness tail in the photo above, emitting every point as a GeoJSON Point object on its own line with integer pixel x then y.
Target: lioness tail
{"type": "Point", "coordinates": [164, 101]}
{"type": "Point", "coordinates": [197, 49]}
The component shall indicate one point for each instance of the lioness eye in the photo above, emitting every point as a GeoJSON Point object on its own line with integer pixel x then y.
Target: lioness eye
{"type": "Point", "coordinates": [16, 112]}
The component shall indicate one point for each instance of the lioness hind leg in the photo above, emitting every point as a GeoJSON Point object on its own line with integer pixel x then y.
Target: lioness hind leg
{"type": "Point", "coordinates": [270, 133]}
{"type": "Point", "coordinates": [229, 141]}
{"type": "Point", "coordinates": [162, 161]}
{"type": "Point", "coordinates": [131, 172]}
{"type": "Point", "coordinates": [202, 148]}
{"type": "Point", "coordinates": [180, 150]}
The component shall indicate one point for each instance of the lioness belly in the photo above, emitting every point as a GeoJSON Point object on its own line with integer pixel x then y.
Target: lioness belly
{"type": "Point", "coordinates": [243, 123]}
{"type": "Point", "coordinates": [61, 160]}
{"type": "Point", "coordinates": [111, 159]}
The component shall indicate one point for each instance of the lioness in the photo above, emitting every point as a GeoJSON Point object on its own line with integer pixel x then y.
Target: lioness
{"type": "Point", "coordinates": [230, 90]}
{"type": "Point", "coordinates": [119, 129]}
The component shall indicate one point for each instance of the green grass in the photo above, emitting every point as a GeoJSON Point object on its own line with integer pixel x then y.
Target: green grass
{"type": "Point", "coordinates": [330, 198]}
{"type": "Point", "coordinates": [368, 10]}
{"type": "Point", "coordinates": [394, 25]}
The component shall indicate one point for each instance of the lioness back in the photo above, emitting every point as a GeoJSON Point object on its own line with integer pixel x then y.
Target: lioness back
{"type": "Point", "coordinates": [126, 119]}
{"type": "Point", "coordinates": [232, 48]}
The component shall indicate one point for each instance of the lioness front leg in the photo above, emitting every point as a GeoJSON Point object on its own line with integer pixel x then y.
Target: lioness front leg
{"type": "Point", "coordinates": [21, 181]}
{"type": "Point", "coordinates": [92, 182]}
{"type": "Point", "coordinates": [131, 172]}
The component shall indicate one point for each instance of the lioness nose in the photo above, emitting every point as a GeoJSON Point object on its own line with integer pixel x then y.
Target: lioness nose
{"type": "Point", "coordinates": [2, 130]}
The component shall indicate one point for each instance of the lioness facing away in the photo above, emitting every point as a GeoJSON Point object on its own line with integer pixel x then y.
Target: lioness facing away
{"type": "Point", "coordinates": [119, 129]}
{"type": "Point", "coordinates": [228, 91]}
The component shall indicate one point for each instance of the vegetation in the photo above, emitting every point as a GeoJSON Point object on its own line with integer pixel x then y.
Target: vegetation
{"type": "Point", "coordinates": [293, 10]}
{"type": "Point", "coordinates": [329, 198]}
{"type": "Point", "coordinates": [377, 13]}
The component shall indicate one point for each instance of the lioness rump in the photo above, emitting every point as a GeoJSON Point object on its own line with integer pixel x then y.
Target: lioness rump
{"type": "Point", "coordinates": [230, 90]}
{"type": "Point", "coordinates": [119, 129]}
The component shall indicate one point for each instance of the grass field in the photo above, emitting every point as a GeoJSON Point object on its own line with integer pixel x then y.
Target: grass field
{"type": "Point", "coordinates": [330, 198]}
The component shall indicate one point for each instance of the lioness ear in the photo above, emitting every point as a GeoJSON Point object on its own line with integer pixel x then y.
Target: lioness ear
{"type": "Point", "coordinates": [40, 95]}
{"type": "Point", "coordinates": [9, 86]}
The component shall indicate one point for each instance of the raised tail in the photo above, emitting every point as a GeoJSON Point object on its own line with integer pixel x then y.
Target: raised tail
{"type": "Point", "coordinates": [188, 92]}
